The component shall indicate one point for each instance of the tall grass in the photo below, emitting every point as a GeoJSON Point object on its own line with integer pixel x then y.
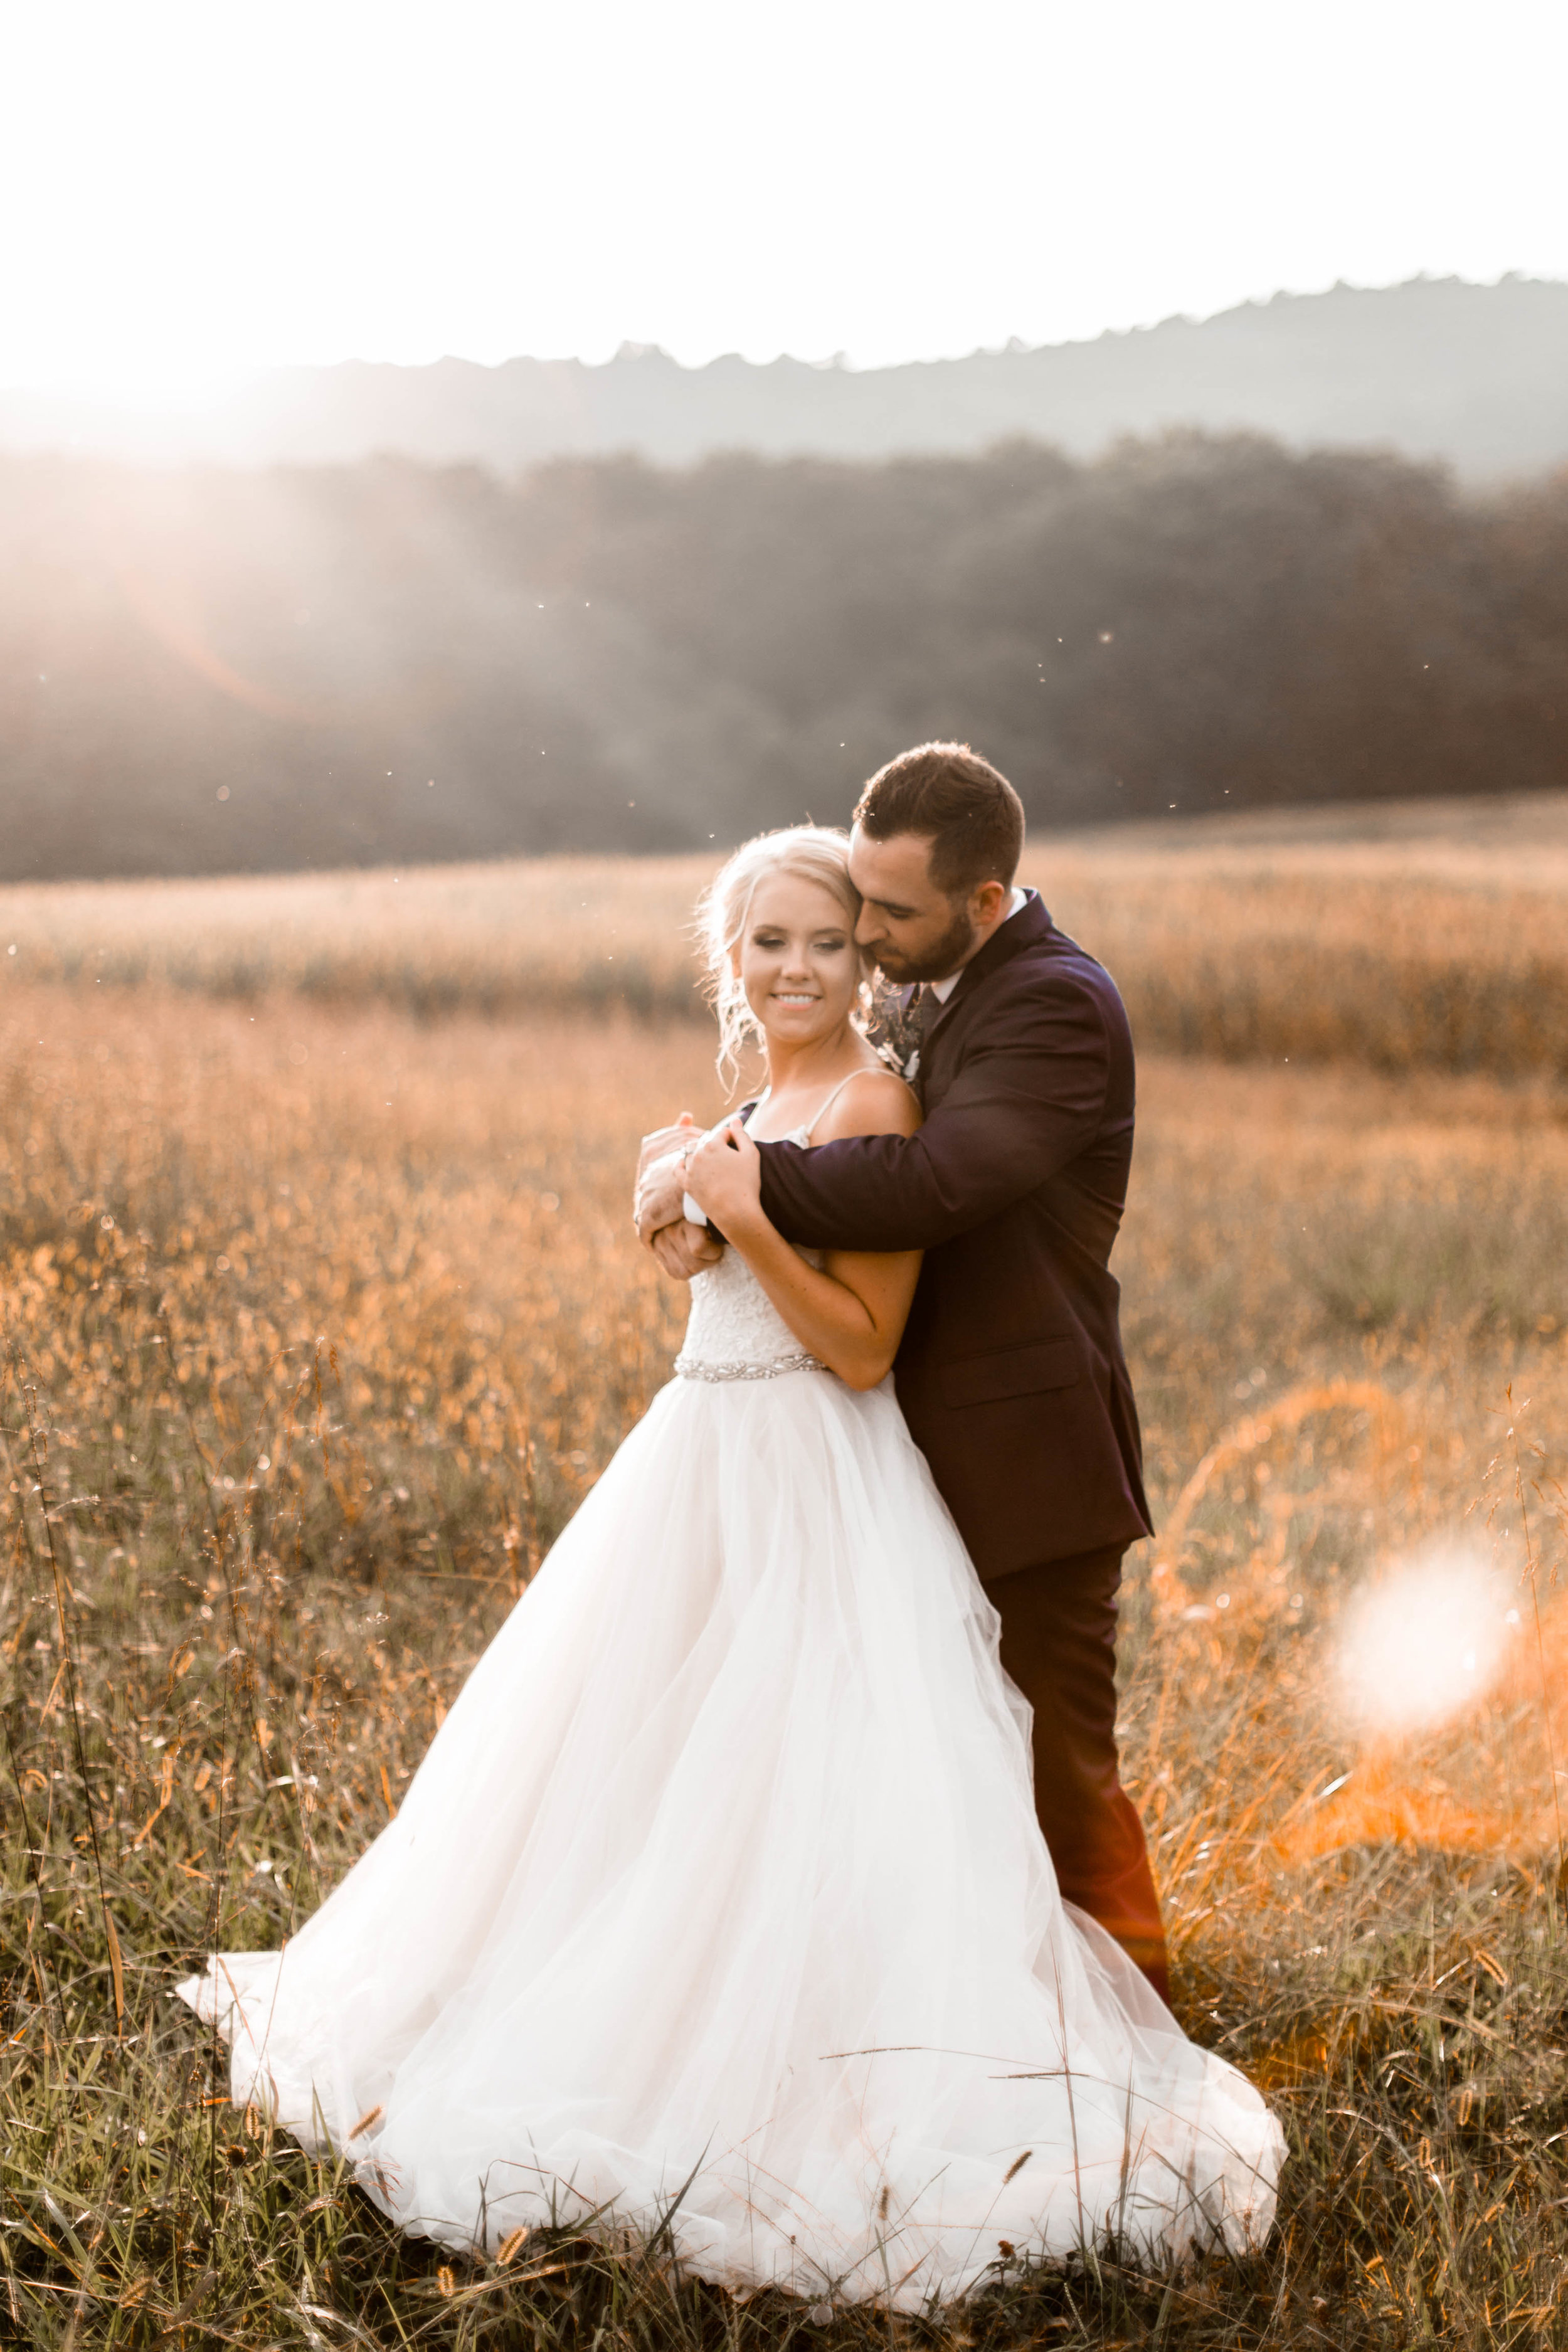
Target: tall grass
{"type": "Point", "coordinates": [1442, 951]}
{"type": "Point", "coordinates": [316, 1323]}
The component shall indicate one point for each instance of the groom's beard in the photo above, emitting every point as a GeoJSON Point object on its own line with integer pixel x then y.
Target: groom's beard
{"type": "Point", "coordinates": [938, 961]}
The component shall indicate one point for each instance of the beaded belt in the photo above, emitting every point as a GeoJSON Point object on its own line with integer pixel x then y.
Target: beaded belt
{"type": "Point", "coordinates": [693, 1368]}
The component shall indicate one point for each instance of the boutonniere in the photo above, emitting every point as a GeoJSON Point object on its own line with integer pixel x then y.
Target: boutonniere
{"type": "Point", "coordinates": [894, 1033]}
{"type": "Point", "coordinates": [908, 1067]}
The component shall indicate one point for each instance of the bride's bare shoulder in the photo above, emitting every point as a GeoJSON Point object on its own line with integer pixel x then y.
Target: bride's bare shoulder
{"type": "Point", "coordinates": [873, 1102]}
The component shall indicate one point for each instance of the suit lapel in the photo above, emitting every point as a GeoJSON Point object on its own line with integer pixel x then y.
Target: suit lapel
{"type": "Point", "coordinates": [1031, 924]}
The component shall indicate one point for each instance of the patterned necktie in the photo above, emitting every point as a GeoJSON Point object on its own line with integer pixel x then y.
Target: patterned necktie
{"type": "Point", "coordinates": [927, 1008]}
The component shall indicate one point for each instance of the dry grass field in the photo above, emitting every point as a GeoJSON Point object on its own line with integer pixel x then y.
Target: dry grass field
{"type": "Point", "coordinates": [1425, 937]}
{"type": "Point", "coordinates": [319, 1316]}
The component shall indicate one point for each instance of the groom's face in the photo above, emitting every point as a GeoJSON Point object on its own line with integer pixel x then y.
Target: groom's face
{"type": "Point", "coordinates": [913, 929]}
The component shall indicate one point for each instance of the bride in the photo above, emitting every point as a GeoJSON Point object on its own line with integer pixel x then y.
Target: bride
{"type": "Point", "coordinates": [717, 1904]}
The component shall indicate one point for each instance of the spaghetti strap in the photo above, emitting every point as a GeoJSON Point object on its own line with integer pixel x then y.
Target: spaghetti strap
{"type": "Point", "coordinates": [826, 1105]}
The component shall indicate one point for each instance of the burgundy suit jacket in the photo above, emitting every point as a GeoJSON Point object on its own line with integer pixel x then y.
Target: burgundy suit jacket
{"type": "Point", "coordinates": [1010, 1374]}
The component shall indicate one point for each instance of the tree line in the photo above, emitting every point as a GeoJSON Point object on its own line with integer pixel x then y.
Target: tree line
{"type": "Point", "coordinates": [208, 670]}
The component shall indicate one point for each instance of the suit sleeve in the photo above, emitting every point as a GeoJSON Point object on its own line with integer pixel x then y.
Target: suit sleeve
{"type": "Point", "coordinates": [1029, 1098]}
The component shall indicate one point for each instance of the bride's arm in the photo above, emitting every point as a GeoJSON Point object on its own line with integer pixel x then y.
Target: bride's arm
{"type": "Point", "coordinates": [852, 1314]}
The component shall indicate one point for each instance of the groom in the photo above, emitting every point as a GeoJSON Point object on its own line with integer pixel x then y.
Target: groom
{"type": "Point", "coordinates": [1010, 1374]}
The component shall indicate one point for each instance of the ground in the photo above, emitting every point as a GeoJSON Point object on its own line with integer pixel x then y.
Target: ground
{"type": "Point", "coordinates": [322, 1309]}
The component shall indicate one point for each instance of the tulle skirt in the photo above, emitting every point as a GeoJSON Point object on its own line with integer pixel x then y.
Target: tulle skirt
{"type": "Point", "coordinates": [717, 1907]}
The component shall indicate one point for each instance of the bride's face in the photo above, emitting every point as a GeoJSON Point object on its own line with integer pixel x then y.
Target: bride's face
{"type": "Point", "coordinates": [798, 959]}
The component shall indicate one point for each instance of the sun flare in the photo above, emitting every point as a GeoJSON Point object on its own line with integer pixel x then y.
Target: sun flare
{"type": "Point", "coordinates": [1426, 1641]}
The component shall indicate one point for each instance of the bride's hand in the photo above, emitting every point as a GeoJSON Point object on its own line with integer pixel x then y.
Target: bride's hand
{"type": "Point", "coordinates": [658, 1202]}
{"type": "Point", "coordinates": [665, 1139]}
{"type": "Point", "coordinates": [724, 1177]}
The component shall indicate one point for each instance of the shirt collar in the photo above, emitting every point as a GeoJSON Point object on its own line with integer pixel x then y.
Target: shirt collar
{"type": "Point", "coordinates": [943, 989]}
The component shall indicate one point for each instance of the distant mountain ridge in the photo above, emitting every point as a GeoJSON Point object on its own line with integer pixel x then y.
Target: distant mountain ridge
{"type": "Point", "coordinates": [1474, 376]}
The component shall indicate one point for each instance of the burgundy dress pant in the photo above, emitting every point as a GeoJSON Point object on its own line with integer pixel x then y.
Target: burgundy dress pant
{"type": "Point", "coordinates": [1058, 1644]}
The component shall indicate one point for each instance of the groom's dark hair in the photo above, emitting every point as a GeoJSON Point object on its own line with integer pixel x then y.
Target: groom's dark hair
{"type": "Point", "coordinates": [965, 809]}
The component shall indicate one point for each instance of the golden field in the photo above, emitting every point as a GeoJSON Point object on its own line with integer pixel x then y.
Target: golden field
{"type": "Point", "coordinates": [1420, 936]}
{"type": "Point", "coordinates": [320, 1314]}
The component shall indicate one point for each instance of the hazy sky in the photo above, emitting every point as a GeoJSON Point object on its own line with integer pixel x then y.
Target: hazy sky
{"type": "Point", "coordinates": [189, 188]}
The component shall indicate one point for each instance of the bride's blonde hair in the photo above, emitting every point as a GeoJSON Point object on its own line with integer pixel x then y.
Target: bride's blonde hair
{"type": "Point", "coordinates": [817, 853]}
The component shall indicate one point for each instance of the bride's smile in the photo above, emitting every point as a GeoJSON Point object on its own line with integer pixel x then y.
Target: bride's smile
{"type": "Point", "coordinates": [798, 967]}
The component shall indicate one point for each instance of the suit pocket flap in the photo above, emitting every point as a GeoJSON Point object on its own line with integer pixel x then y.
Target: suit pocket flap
{"type": "Point", "coordinates": [1012, 1371]}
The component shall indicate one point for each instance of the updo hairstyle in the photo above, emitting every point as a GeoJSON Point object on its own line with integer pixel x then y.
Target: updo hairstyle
{"type": "Point", "coordinates": [817, 853]}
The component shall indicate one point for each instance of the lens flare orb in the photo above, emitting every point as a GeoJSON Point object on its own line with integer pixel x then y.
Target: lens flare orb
{"type": "Point", "coordinates": [1425, 1641]}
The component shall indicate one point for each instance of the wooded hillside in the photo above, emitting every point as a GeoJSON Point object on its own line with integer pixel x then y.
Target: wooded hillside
{"type": "Point", "coordinates": [208, 670]}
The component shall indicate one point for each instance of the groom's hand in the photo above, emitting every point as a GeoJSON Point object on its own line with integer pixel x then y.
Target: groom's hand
{"type": "Point", "coordinates": [683, 1249]}
{"type": "Point", "coordinates": [661, 1194]}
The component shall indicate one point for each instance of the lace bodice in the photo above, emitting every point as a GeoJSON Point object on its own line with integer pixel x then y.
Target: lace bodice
{"type": "Point", "coordinates": [736, 1333]}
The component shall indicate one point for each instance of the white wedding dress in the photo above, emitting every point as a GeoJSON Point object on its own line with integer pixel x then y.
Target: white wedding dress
{"type": "Point", "coordinates": [719, 1904]}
